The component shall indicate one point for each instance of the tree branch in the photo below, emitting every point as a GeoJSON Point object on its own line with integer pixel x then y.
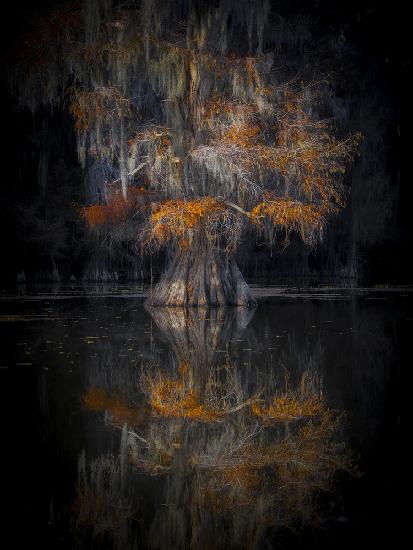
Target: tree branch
{"type": "Point", "coordinates": [233, 205]}
{"type": "Point", "coordinates": [135, 171]}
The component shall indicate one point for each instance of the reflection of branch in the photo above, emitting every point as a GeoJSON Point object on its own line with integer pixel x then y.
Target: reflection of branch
{"type": "Point", "coordinates": [241, 405]}
{"type": "Point", "coordinates": [139, 437]}
{"type": "Point", "coordinates": [243, 441]}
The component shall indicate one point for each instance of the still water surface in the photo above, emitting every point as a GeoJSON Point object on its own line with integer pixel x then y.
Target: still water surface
{"type": "Point", "coordinates": [170, 429]}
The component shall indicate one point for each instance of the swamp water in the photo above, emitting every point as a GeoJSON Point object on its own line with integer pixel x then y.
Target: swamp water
{"type": "Point", "coordinates": [170, 429]}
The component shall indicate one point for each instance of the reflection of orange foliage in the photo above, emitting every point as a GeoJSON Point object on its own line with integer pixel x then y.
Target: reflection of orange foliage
{"type": "Point", "coordinates": [172, 397]}
{"type": "Point", "coordinates": [244, 475]}
{"type": "Point", "coordinates": [232, 488]}
{"type": "Point", "coordinates": [184, 368]}
{"type": "Point", "coordinates": [117, 209]}
{"type": "Point", "coordinates": [286, 407]}
{"type": "Point", "coordinates": [172, 219]}
{"type": "Point", "coordinates": [302, 462]}
{"type": "Point", "coordinates": [96, 399]}
{"type": "Point", "coordinates": [89, 507]}
{"type": "Point", "coordinates": [313, 455]}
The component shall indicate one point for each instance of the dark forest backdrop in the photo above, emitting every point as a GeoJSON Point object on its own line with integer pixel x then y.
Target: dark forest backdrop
{"type": "Point", "coordinates": [364, 46]}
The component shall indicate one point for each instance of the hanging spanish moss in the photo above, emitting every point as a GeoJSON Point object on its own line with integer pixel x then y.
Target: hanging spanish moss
{"type": "Point", "coordinates": [192, 130]}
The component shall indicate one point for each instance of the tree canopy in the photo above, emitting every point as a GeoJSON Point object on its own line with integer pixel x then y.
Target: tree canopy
{"type": "Point", "coordinates": [186, 119]}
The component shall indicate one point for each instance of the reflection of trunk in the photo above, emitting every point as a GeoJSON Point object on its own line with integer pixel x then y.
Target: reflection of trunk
{"type": "Point", "coordinates": [195, 337]}
{"type": "Point", "coordinates": [200, 340]}
{"type": "Point", "coordinates": [198, 276]}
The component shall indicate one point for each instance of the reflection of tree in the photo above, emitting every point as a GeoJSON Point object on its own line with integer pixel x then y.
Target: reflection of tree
{"type": "Point", "coordinates": [104, 504]}
{"type": "Point", "coordinates": [233, 463]}
{"type": "Point", "coordinates": [195, 335]}
{"type": "Point", "coordinates": [236, 484]}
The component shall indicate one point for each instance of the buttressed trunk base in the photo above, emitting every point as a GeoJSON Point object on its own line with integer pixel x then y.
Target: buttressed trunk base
{"type": "Point", "coordinates": [200, 277]}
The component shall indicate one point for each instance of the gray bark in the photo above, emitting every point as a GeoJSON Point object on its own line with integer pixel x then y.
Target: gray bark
{"type": "Point", "coordinates": [200, 276]}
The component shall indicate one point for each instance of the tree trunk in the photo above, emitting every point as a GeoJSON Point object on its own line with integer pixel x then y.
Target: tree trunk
{"type": "Point", "coordinates": [199, 276]}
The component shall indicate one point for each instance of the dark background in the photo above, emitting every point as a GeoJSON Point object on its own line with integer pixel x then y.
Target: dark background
{"type": "Point", "coordinates": [363, 44]}
{"type": "Point", "coordinates": [373, 234]}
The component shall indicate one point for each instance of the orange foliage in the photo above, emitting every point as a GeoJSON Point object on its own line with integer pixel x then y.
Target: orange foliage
{"type": "Point", "coordinates": [290, 215]}
{"type": "Point", "coordinates": [95, 214]}
{"type": "Point", "coordinates": [92, 107]}
{"type": "Point", "coordinates": [243, 135]}
{"type": "Point", "coordinates": [172, 219]}
{"type": "Point", "coordinates": [216, 105]}
{"type": "Point", "coordinates": [117, 210]}
{"type": "Point", "coordinates": [159, 135]}
{"type": "Point", "coordinates": [287, 141]}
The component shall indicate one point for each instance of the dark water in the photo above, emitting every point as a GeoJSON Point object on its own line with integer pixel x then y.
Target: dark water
{"type": "Point", "coordinates": [273, 428]}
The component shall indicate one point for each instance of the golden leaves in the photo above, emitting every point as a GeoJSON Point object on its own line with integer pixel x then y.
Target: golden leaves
{"type": "Point", "coordinates": [289, 214]}
{"type": "Point", "coordinates": [216, 105]}
{"type": "Point", "coordinates": [285, 146]}
{"type": "Point", "coordinates": [243, 135]}
{"type": "Point", "coordinates": [174, 219]}
{"type": "Point", "coordinates": [117, 210]}
{"type": "Point", "coordinates": [95, 214]}
{"type": "Point", "coordinates": [90, 107]}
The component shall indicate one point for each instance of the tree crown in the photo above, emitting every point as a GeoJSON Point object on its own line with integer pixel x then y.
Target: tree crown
{"type": "Point", "coordinates": [177, 130]}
